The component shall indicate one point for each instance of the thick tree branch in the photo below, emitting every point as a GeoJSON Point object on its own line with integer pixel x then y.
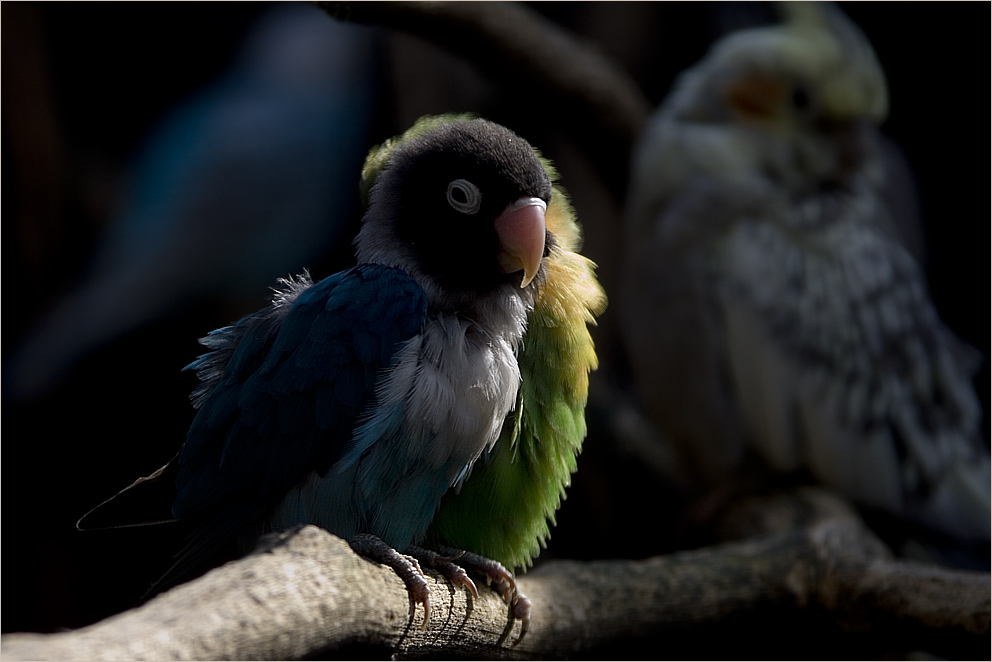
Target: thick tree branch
{"type": "Point", "coordinates": [515, 45]}
{"type": "Point", "coordinates": [540, 62]}
{"type": "Point", "coordinates": [306, 592]}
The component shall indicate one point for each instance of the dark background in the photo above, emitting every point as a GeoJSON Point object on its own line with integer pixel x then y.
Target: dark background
{"type": "Point", "coordinates": [84, 83]}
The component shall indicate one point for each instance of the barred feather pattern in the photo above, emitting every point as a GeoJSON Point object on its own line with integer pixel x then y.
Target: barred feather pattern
{"type": "Point", "coordinates": [873, 392]}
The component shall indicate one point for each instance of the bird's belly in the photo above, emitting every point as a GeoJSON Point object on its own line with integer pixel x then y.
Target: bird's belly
{"type": "Point", "coordinates": [443, 402]}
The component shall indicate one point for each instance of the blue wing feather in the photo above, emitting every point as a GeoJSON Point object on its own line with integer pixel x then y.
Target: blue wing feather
{"type": "Point", "coordinates": [298, 376]}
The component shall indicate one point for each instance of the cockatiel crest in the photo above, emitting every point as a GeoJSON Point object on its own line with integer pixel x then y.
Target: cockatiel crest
{"type": "Point", "coordinates": [771, 297]}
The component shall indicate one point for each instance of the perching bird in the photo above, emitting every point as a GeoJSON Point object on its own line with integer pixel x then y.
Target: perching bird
{"type": "Point", "coordinates": [246, 181]}
{"type": "Point", "coordinates": [770, 300]}
{"type": "Point", "coordinates": [431, 395]}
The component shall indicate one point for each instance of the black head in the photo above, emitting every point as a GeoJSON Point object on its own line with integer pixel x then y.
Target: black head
{"type": "Point", "coordinates": [439, 197]}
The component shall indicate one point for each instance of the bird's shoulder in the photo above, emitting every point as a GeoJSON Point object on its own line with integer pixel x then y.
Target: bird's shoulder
{"type": "Point", "coordinates": [283, 388]}
{"type": "Point", "coordinates": [382, 300]}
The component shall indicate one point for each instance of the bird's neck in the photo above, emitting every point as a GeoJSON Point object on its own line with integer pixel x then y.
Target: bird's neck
{"type": "Point", "coordinates": [501, 313]}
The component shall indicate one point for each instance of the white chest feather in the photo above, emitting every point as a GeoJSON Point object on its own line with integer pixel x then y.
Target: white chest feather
{"type": "Point", "coordinates": [455, 383]}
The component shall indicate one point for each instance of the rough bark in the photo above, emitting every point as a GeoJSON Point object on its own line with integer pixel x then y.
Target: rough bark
{"type": "Point", "coordinates": [305, 593]}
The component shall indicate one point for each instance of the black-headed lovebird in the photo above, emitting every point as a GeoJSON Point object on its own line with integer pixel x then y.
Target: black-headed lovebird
{"type": "Point", "coordinates": [771, 295]}
{"type": "Point", "coordinates": [431, 395]}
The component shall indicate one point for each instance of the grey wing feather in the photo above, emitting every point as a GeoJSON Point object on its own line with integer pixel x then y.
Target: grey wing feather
{"type": "Point", "coordinates": [841, 363]}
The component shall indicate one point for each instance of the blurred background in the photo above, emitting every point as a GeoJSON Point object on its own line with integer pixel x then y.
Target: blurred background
{"type": "Point", "coordinates": [261, 115]}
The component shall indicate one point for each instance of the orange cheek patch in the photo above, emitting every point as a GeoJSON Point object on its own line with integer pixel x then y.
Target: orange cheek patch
{"type": "Point", "coordinates": [756, 96]}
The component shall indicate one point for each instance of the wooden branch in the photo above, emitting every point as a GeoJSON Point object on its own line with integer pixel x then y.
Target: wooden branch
{"type": "Point", "coordinates": [515, 45]}
{"type": "Point", "coordinates": [542, 64]}
{"type": "Point", "coordinates": [300, 592]}
{"type": "Point", "coordinates": [305, 592]}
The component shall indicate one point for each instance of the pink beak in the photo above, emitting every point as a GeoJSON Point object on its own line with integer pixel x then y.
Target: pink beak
{"type": "Point", "coordinates": [521, 231]}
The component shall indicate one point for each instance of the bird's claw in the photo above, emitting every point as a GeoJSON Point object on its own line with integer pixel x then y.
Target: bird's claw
{"type": "Point", "coordinates": [520, 611]}
{"type": "Point", "coordinates": [500, 580]}
{"type": "Point", "coordinates": [406, 567]}
{"type": "Point", "coordinates": [444, 564]}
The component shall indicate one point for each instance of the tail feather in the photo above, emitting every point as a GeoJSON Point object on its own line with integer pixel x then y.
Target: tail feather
{"type": "Point", "coordinates": [147, 500]}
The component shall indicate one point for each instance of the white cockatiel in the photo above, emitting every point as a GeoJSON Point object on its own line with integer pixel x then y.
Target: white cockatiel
{"type": "Point", "coordinates": [771, 297]}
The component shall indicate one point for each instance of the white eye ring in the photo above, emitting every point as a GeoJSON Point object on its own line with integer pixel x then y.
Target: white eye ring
{"type": "Point", "coordinates": [464, 196]}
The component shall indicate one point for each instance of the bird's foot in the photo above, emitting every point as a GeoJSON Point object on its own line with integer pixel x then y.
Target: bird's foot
{"type": "Point", "coordinates": [499, 578]}
{"type": "Point", "coordinates": [406, 567]}
{"type": "Point", "coordinates": [452, 563]}
{"type": "Point", "coordinates": [443, 564]}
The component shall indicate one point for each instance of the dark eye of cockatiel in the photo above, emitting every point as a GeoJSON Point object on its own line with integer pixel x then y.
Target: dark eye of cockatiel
{"type": "Point", "coordinates": [452, 185]}
{"type": "Point", "coordinates": [801, 97]}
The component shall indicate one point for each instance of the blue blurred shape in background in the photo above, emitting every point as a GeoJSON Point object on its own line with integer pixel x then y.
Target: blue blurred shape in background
{"type": "Point", "coordinates": [253, 178]}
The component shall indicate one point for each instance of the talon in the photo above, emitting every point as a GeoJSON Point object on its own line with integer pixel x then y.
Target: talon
{"type": "Point", "coordinates": [470, 585]}
{"type": "Point", "coordinates": [457, 555]}
{"type": "Point", "coordinates": [457, 575]}
{"type": "Point", "coordinates": [520, 610]}
{"type": "Point", "coordinates": [518, 606]}
{"type": "Point", "coordinates": [506, 589]}
{"type": "Point", "coordinates": [427, 610]}
{"type": "Point", "coordinates": [406, 568]}
{"type": "Point", "coordinates": [443, 564]}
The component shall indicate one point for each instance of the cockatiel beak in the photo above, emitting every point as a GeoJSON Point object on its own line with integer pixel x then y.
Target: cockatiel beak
{"type": "Point", "coordinates": [856, 143]}
{"type": "Point", "coordinates": [521, 232]}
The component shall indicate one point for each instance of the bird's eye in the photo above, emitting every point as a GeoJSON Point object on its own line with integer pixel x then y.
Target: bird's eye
{"type": "Point", "coordinates": [801, 98]}
{"type": "Point", "coordinates": [464, 196]}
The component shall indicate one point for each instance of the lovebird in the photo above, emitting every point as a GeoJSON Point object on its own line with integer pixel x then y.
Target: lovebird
{"type": "Point", "coordinates": [431, 395]}
{"type": "Point", "coordinates": [771, 299]}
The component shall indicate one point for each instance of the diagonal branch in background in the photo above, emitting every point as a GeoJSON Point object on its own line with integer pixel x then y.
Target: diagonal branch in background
{"type": "Point", "coordinates": [305, 593]}
{"type": "Point", "coordinates": [515, 46]}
